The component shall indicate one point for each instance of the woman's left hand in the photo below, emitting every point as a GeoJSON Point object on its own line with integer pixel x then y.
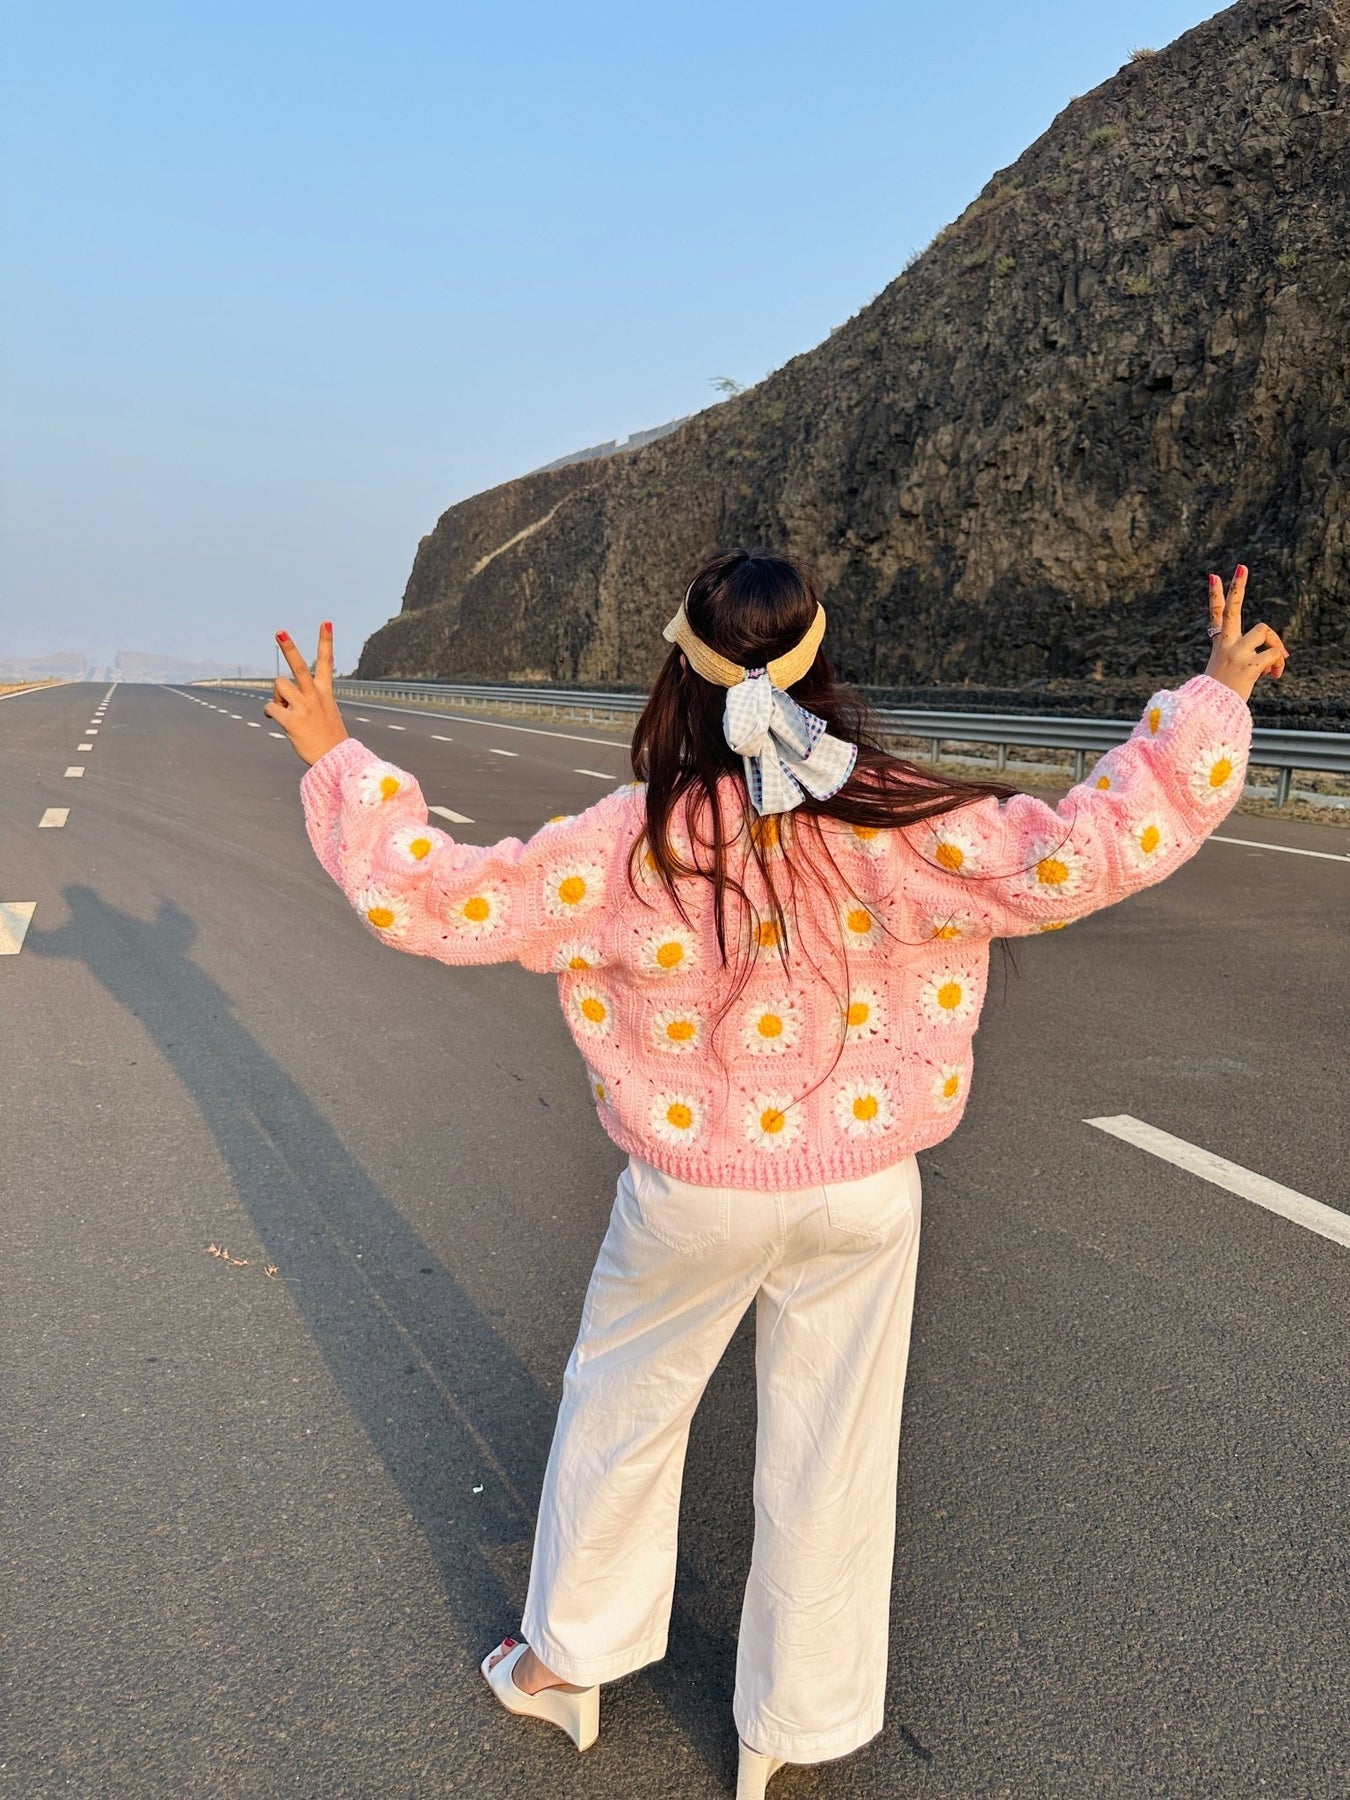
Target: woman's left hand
{"type": "Point", "coordinates": [305, 708]}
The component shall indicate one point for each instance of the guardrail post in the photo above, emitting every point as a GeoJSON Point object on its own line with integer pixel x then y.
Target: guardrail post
{"type": "Point", "coordinates": [1283, 780]}
{"type": "Point", "coordinates": [1003, 756]}
{"type": "Point", "coordinates": [1078, 765]}
{"type": "Point", "coordinates": [937, 748]}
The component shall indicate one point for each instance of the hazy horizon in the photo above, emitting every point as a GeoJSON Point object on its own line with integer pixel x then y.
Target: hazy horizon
{"type": "Point", "coordinates": [284, 286]}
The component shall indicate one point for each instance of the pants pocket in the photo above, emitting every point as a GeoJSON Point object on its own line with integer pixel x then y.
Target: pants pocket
{"type": "Point", "coordinates": [873, 1206]}
{"type": "Point", "coordinates": [685, 1215]}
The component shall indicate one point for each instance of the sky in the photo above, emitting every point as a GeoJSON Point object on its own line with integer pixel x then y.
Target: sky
{"type": "Point", "coordinates": [279, 283]}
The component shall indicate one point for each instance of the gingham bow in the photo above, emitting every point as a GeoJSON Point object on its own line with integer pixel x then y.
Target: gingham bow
{"type": "Point", "coordinates": [785, 748]}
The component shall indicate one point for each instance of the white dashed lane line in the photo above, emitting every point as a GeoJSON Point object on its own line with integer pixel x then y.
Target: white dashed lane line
{"type": "Point", "coordinates": [454, 817]}
{"type": "Point", "coordinates": [442, 740]}
{"type": "Point", "coordinates": [255, 725]}
{"type": "Point", "coordinates": [1288, 849]}
{"type": "Point", "coordinates": [15, 918]}
{"type": "Point", "coordinates": [398, 728]}
{"type": "Point", "coordinates": [492, 749]}
{"type": "Point", "coordinates": [84, 746]}
{"type": "Point", "coordinates": [54, 815]}
{"type": "Point", "coordinates": [599, 774]}
{"type": "Point", "coordinates": [1325, 1220]}
{"type": "Point", "coordinates": [280, 734]}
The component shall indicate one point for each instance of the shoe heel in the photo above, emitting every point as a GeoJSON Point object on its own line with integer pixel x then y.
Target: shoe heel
{"type": "Point", "coordinates": [754, 1771]}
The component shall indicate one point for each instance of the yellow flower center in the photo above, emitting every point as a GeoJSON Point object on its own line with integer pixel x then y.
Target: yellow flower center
{"type": "Point", "coordinates": [578, 962]}
{"type": "Point", "coordinates": [771, 1120]}
{"type": "Point", "coordinates": [571, 890]}
{"type": "Point", "coordinates": [951, 1087]}
{"type": "Point", "coordinates": [765, 832]}
{"type": "Point", "coordinates": [680, 1030]}
{"type": "Point", "coordinates": [1054, 925]}
{"type": "Point", "coordinates": [949, 995]}
{"type": "Point", "coordinates": [679, 1115]}
{"type": "Point", "coordinates": [383, 916]}
{"type": "Point", "coordinates": [599, 1090]}
{"type": "Point", "coordinates": [593, 1009]}
{"type": "Point", "coordinates": [1103, 781]}
{"type": "Point", "coordinates": [388, 786]}
{"type": "Point", "coordinates": [1149, 839]}
{"type": "Point", "coordinates": [1154, 719]}
{"type": "Point", "coordinates": [476, 909]}
{"type": "Point", "coordinates": [770, 1025]}
{"type": "Point", "coordinates": [947, 931]}
{"type": "Point", "coordinates": [950, 856]}
{"type": "Point", "coordinates": [865, 831]}
{"type": "Point", "coordinates": [1220, 772]}
{"type": "Point", "coordinates": [670, 955]}
{"type": "Point", "coordinates": [1051, 871]}
{"type": "Point", "coordinates": [860, 921]}
{"type": "Point", "coordinates": [419, 847]}
{"type": "Point", "coordinates": [865, 1106]}
{"type": "Point", "coordinates": [768, 934]}
{"type": "Point", "coordinates": [859, 1012]}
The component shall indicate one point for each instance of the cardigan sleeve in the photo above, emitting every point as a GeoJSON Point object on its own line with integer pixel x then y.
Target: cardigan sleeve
{"type": "Point", "coordinates": [1019, 866]}
{"type": "Point", "coordinates": [538, 902]}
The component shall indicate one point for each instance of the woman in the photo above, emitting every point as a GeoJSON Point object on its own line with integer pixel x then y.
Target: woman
{"type": "Point", "coordinates": [771, 950]}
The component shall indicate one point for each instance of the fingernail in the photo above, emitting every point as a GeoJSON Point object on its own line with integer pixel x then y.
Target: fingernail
{"type": "Point", "coordinates": [1242, 568]}
{"type": "Point", "coordinates": [328, 624]}
{"type": "Point", "coordinates": [281, 637]}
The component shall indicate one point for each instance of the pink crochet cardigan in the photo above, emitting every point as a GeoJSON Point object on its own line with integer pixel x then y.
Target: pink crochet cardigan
{"type": "Point", "coordinates": [853, 1051]}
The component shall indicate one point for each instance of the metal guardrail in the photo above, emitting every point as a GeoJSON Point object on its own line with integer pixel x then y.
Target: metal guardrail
{"type": "Point", "coordinates": [1283, 751]}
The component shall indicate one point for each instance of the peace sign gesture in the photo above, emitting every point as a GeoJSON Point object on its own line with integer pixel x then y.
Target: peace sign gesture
{"type": "Point", "coordinates": [305, 708]}
{"type": "Point", "coordinates": [1239, 659]}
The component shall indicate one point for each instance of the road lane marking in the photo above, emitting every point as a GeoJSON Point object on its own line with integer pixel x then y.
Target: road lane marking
{"type": "Point", "coordinates": [361, 721]}
{"type": "Point", "coordinates": [1327, 1221]}
{"type": "Point", "coordinates": [569, 737]}
{"type": "Point", "coordinates": [280, 734]}
{"type": "Point", "coordinates": [454, 817]}
{"type": "Point", "coordinates": [1288, 849]}
{"type": "Point", "coordinates": [255, 725]}
{"type": "Point", "coordinates": [492, 750]}
{"type": "Point", "coordinates": [75, 769]}
{"type": "Point", "coordinates": [600, 774]}
{"type": "Point", "coordinates": [15, 918]}
{"type": "Point", "coordinates": [236, 715]}
{"type": "Point", "coordinates": [54, 815]}
{"type": "Point", "coordinates": [442, 740]}
{"type": "Point", "coordinates": [397, 727]}
{"type": "Point", "coordinates": [84, 746]}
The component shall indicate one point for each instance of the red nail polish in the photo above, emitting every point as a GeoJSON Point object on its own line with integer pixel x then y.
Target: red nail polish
{"type": "Point", "coordinates": [328, 624]}
{"type": "Point", "coordinates": [281, 637]}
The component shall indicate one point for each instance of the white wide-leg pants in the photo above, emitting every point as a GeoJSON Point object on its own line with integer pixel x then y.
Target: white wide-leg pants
{"type": "Point", "coordinates": [831, 1271]}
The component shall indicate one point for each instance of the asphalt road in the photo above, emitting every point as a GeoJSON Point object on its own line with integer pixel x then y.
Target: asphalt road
{"type": "Point", "coordinates": [265, 1513]}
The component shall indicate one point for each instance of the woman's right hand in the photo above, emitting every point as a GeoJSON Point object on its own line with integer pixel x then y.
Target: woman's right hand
{"type": "Point", "coordinates": [1239, 659]}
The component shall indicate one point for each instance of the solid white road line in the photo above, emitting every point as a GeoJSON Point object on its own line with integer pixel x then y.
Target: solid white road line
{"type": "Point", "coordinates": [569, 737]}
{"type": "Point", "coordinates": [454, 817]}
{"type": "Point", "coordinates": [54, 815]}
{"type": "Point", "coordinates": [1288, 849]}
{"type": "Point", "coordinates": [599, 774]}
{"type": "Point", "coordinates": [15, 918]}
{"type": "Point", "coordinates": [1325, 1220]}
{"type": "Point", "coordinates": [492, 749]}
{"type": "Point", "coordinates": [75, 769]}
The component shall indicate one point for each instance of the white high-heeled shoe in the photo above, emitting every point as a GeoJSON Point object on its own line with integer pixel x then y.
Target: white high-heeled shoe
{"type": "Point", "coordinates": [756, 1767]}
{"type": "Point", "coordinates": [574, 1710]}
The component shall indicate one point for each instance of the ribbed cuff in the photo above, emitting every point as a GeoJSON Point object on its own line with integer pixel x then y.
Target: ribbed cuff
{"type": "Point", "coordinates": [324, 776]}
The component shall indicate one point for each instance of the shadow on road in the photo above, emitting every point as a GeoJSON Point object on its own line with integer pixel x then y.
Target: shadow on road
{"type": "Point", "coordinates": [442, 1397]}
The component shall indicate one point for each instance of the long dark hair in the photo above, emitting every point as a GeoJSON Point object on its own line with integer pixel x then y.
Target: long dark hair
{"type": "Point", "coordinates": [752, 606]}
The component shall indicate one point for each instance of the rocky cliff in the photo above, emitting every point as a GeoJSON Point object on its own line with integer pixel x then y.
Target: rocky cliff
{"type": "Point", "coordinates": [1125, 364]}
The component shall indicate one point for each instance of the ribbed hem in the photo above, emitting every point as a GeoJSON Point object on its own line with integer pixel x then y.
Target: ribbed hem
{"type": "Point", "coordinates": [807, 1167]}
{"type": "Point", "coordinates": [810, 1746]}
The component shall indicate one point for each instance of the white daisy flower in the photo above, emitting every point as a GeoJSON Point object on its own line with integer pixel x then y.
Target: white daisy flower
{"type": "Point", "coordinates": [599, 1087]}
{"type": "Point", "coordinates": [576, 954]}
{"type": "Point", "coordinates": [949, 1084]}
{"type": "Point", "coordinates": [386, 911]}
{"type": "Point", "coordinates": [378, 783]}
{"type": "Point", "coordinates": [677, 1029]}
{"type": "Point", "coordinates": [1056, 869]}
{"type": "Point", "coordinates": [953, 847]}
{"type": "Point", "coordinates": [860, 925]}
{"type": "Point", "coordinates": [572, 888]}
{"type": "Point", "coordinates": [1216, 772]}
{"type": "Point", "coordinates": [947, 996]}
{"type": "Point", "coordinates": [863, 1108]}
{"type": "Point", "coordinates": [770, 1026]}
{"type": "Point", "coordinates": [591, 1010]}
{"type": "Point", "coordinates": [948, 925]}
{"type": "Point", "coordinates": [670, 950]}
{"type": "Point", "coordinates": [768, 832]}
{"type": "Point", "coordinates": [557, 820]}
{"type": "Point", "coordinates": [412, 844]}
{"type": "Point", "coordinates": [864, 1015]}
{"type": "Point", "coordinates": [1146, 838]}
{"type": "Point", "coordinates": [1105, 773]}
{"type": "Point", "coordinates": [869, 839]}
{"type": "Point", "coordinates": [480, 913]}
{"type": "Point", "coordinates": [676, 1118]}
{"type": "Point", "coordinates": [1158, 715]}
{"type": "Point", "coordinates": [769, 936]}
{"type": "Point", "coordinates": [772, 1122]}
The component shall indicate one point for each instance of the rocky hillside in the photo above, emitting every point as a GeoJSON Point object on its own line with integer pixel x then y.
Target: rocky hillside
{"type": "Point", "coordinates": [1124, 364]}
